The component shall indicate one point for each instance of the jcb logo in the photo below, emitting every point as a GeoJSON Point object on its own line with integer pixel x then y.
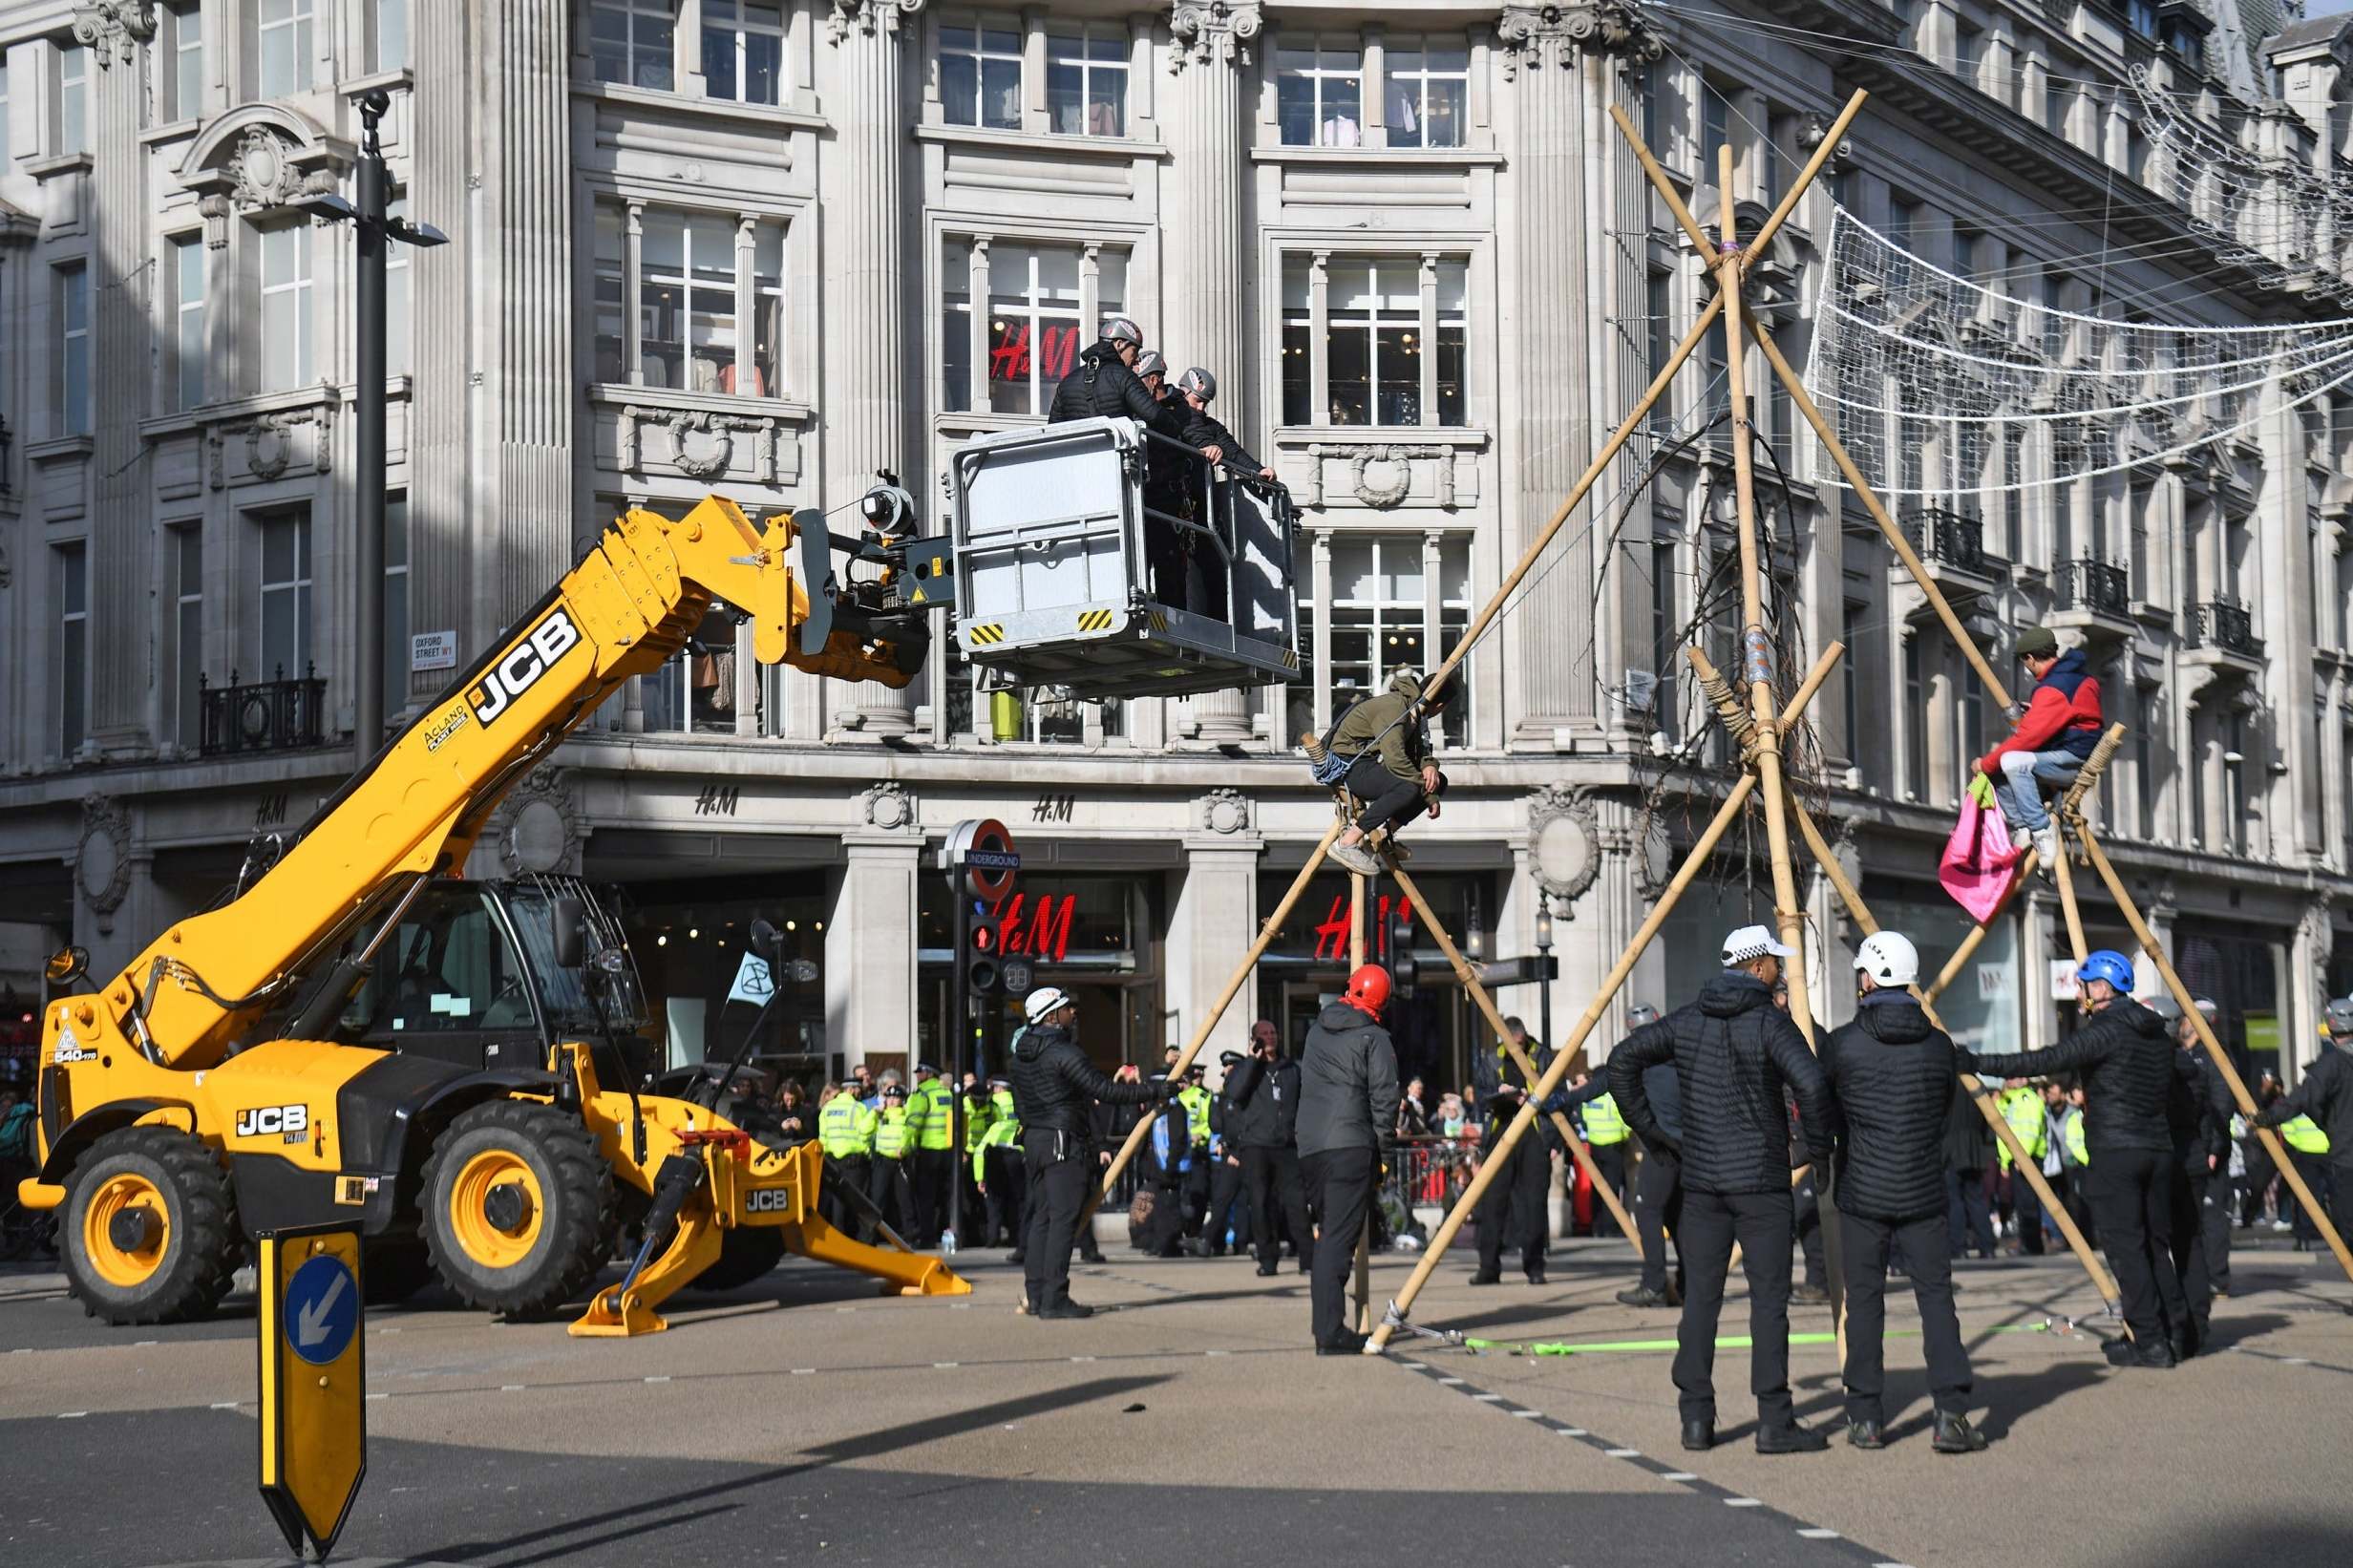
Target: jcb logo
{"type": "Point", "coordinates": [523, 664]}
{"type": "Point", "coordinates": [768, 1199]}
{"type": "Point", "coordinates": [264, 1119]}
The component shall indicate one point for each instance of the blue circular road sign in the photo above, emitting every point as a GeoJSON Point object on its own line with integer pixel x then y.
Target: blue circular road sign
{"type": "Point", "coordinates": [321, 1310]}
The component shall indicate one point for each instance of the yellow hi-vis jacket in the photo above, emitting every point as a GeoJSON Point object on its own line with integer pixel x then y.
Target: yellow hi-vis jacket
{"type": "Point", "coordinates": [842, 1128]}
{"type": "Point", "coordinates": [2023, 1109]}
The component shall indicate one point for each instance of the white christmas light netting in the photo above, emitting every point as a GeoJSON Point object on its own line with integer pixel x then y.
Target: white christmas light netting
{"type": "Point", "coordinates": [1941, 387]}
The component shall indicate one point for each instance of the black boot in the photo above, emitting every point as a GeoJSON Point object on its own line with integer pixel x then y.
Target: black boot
{"type": "Point", "coordinates": [1955, 1434]}
{"type": "Point", "coordinates": [1865, 1434]}
{"type": "Point", "coordinates": [1791, 1439]}
{"type": "Point", "coordinates": [1699, 1437]}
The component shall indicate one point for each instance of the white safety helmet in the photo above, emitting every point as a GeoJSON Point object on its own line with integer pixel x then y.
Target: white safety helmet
{"type": "Point", "coordinates": [1044, 1002]}
{"type": "Point", "coordinates": [1199, 383]}
{"type": "Point", "coordinates": [1889, 959]}
{"type": "Point", "coordinates": [1120, 329]}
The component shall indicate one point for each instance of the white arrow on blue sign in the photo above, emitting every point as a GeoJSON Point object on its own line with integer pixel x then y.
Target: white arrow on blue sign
{"type": "Point", "coordinates": [321, 1310]}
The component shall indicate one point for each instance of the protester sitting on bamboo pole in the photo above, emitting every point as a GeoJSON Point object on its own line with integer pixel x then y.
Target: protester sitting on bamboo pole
{"type": "Point", "coordinates": [1733, 1052]}
{"type": "Point", "coordinates": [1392, 767]}
{"type": "Point", "coordinates": [2056, 737]}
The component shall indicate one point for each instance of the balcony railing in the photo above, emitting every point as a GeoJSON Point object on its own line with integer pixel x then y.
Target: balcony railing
{"type": "Point", "coordinates": [2101, 587]}
{"type": "Point", "coordinates": [1951, 539]}
{"type": "Point", "coordinates": [2227, 625]}
{"type": "Point", "coordinates": [277, 716]}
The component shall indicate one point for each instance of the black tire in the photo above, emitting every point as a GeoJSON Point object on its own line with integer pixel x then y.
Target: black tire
{"type": "Point", "coordinates": [746, 1253]}
{"type": "Point", "coordinates": [391, 1272]}
{"type": "Point", "coordinates": [202, 1246]}
{"type": "Point", "coordinates": [574, 1187]}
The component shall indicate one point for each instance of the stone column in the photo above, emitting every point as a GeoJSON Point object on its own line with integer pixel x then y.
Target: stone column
{"type": "Point", "coordinates": [522, 413]}
{"type": "Point", "coordinates": [1205, 270]}
{"type": "Point", "coordinates": [121, 534]}
{"type": "Point", "coordinates": [870, 270]}
{"type": "Point", "coordinates": [869, 954]}
{"type": "Point", "coordinates": [1209, 928]}
{"type": "Point", "coordinates": [1556, 59]}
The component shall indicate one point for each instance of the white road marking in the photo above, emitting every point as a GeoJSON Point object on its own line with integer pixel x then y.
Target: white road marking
{"type": "Point", "coordinates": [657, 1379]}
{"type": "Point", "coordinates": [945, 1366]}
{"type": "Point", "coordinates": [71, 1415]}
{"type": "Point", "coordinates": [1819, 1535]}
{"type": "Point", "coordinates": [1574, 1432]}
{"type": "Point", "coordinates": [1452, 1382]}
{"type": "Point", "coordinates": [1216, 1352]}
{"type": "Point", "coordinates": [510, 1388]}
{"type": "Point", "coordinates": [379, 1396]}
{"type": "Point", "coordinates": [1741, 1502]}
{"type": "Point", "coordinates": [1082, 1358]}
{"type": "Point", "coordinates": [1623, 1454]}
{"type": "Point", "coordinates": [804, 1371]}
{"type": "Point", "coordinates": [226, 1405]}
{"type": "Point", "coordinates": [1678, 1475]}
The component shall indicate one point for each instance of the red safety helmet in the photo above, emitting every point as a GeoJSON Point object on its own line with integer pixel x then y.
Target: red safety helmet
{"type": "Point", "coordinates": [1367, 990]}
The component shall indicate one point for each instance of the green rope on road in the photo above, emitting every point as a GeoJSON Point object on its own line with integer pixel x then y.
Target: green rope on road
{"type": "Point", "coordinates": [1723, 1342]}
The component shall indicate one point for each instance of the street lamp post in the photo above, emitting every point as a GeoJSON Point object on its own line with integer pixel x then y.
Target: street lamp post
{"type": "Point", "coordinates": [372, 186]}
{"type": "Point", "coordinates": [1544, 968]}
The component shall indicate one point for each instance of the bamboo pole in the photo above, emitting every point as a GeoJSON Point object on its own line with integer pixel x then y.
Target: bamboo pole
{"type": "Point", "coordinates": [2064, 875]}
{"type": "Point", "coordinates": [1358, 912]}
{"type": "Point", "coordinates": [1225, 999]}
{"type": "Point", "coordinates": [2215, 1052]}
{"type": "Point", "coordinates": [2020, 1159]}
{"type": "Point", "coordinates": [1479, 995]}
{"type": "Point", "coordinates": [1705, 846]}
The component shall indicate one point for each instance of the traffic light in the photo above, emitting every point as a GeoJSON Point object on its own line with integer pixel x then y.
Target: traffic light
{"type": "Point", "coordinates": [983, 968]}
{"type": "Point", "coordinates": [1401, 949]}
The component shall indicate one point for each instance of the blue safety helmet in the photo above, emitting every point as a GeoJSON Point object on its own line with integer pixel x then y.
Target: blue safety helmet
{"type": "Point", "coordinates": [2110, 965]}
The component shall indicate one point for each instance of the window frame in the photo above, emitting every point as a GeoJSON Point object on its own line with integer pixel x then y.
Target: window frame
{"type": "Point", "coordinates": [301, 588]}
{"type": "Point", "coordinates": [188, 393]}
{"type": "Point", "coordinates": [1424, 75]}
{"type": "Point", "coordinates": [72, 645]}
{"type": "Point", "coordinates": [301, 287]}
{"type": "Point", "coordinates": [379, 57]}
{"type": "Point", "coordinates": [752, 298]}
{"type": "Point", "coordinates": [1086, 32]}
{"type": "Point", "coordinates": [301, 25]}
{"type": "Point", "coordinates": [69, 118]}
{"type": "Point", "coordinates": [185, 47]}
{"type": "Point", "coordinates": [72, 386]}
{"type": "Point", "coordinates": [1429, 327]}
{"type": "Point", "coordinates": [948, 41]}
{"type": "Point", "coordinates": [187, 632]}
{"type": "Point", "coordinates": [1318, 46]}
{"type": "Point", "coordinates": [1430, 620]}
{"type": "Point", "coordinates": [740, 27]}
{"type": "Point", "coordinates": [636, 54]}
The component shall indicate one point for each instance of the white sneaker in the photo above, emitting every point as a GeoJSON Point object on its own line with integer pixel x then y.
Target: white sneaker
{"type": "Point", "coordinates": [2047, 844]}
{"type": "Point", "coordinates": [2022, 839]}
{"type": "Point", "coordinates": [2282, 1225]}
{"type": "Point", "coordinates": [1355, 857]}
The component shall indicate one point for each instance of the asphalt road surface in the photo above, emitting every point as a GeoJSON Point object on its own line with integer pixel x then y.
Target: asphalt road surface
{"type": "Point", "coordinates": [803, 1419]}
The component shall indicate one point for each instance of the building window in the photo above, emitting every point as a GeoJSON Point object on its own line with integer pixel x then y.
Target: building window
{"type": "Point", "coordinates": [1658, 338]}
{"type": "Point", "coordinates": [187, 634]}
{"type": "Point", "coordinates": [1388, 352]}
{"type": "Point", "coordinates": [1318, 95]}
{"type": "Point", "coordinates": [395, 602]}
{"type": "Point", "coordinates": [396, 296]}
{"type": "Point", "coordinates": [285, 37]}
{"type": "Point", "coordinates": [1035, 328]}
{"type": "Point", "coordinates": [184, 41]}
{"type": "Point", "coordinates": [1915, 724]}
{"type": "Point", "coordinates": [1380, 609]}
{"type": "Point", "coordinates": [74, 349]}
{"type": "Point", "coordinates": [1665, 642]}
{"type": "Point", "coordinates": [285, 594]}
{"type": "Point", "coordinates": [285, 306]}
{"type": "Point", "coordinates": [187, 258]}
{"type": "Point", "coordinates": [72, 648]}
{"type": "Point", "coordinates": [743, 51]}
{"type": "Point", "coordinates": [1426, 94]}
{"type": "Point", "coordinates": [691, 297]}
{"type": "Point", "coordinates": [1087, 83]}
{"type": "Point", "coordinates": [72, 100]}
{"type": "Point", "coordinates": [980, 76]}
{"type": "Point", "coordinates": [389, 35]}
{"type": "Point", "coordinates": [634, 43]}
{"type": "Point", "coordinates": [1715, 128]}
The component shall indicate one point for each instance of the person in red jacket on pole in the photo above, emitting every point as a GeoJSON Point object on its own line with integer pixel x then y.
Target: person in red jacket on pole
{"type": "Point", "coordinates": [2051, 743]}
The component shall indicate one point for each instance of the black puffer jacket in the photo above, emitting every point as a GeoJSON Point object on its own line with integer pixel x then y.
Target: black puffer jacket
{"type": "Point", "coordinates": [2325, 1094]}
{"type": "Point", "coordinates": [1733, 1050]}
{"type": "Point", "coordinates": [1203, 429]}
{"type": "Point", "coordinates": [1102, 386]}
{"type": "Point", "coordinates": [2198, 1111]}
{"type": "Point", "coordinates": [1055, 1087]}
{"type": "Point", "coordinates": [2125, 1055]}
{"type": "Point", "coordinates": [1262, 1103]}
{"type": "Point", "coordinates": [1893, 1076]}
{"type": "Point", "coordinates": [1347, 1085]}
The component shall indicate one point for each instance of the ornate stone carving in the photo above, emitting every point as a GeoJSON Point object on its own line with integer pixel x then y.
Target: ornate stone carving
{"type": "Point", "coordinates": [542, 825]}
{"type": "Point", "coordinates": [1225, 810]}
{"type": "Point", "coordinates": [102, 859]}
{"type": "Point", "coordinates": [1397, 459]}
{"type": "Point", "coordinates": [270, 446]}
{"type": "Point", "coordinates": [263, 174]}
{"type": "Point", "coordinates": [114, 29]}
{"type": "Point", "coordinates": [888, 805]}
{"type": "Point", "coordinates": [215, 211]}
{"type": "Point", "coordinates": [1545, 36]}
{"type": "Point", "coordinates": [1212, 32]}
{"type": "Point", "coordinates": [625, 436]}
{"type": "Point", "coordinates": [708, 464]}
{"type": "Point", "coordinates": [868, 15]}
{"type": "Point", "coordinates": [1565, 838]}
{"type": "Point", "coordinates": [1654, 854]}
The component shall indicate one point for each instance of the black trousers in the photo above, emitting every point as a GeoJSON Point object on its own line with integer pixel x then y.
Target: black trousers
{"type": "Point", "coordinates": [2188, 1194]}
{"type": "Point", "coordinates": [1164, 1229]}
{"type": "Point", "coordinates": [1277, 1193]}
{"type": "Point", "coordinates": [2027, 1214]}
{"type": "Point", "coordinates": [1225, 1190]}
{"type": "Point", "coordinates": [1763, 1224]}
{"type": "Point", "coordinates": [1340, 1186]}
{"type": "Point", "coordinates": [1511, 1212]}
{"type": "Point", "coordinates": [1658, 1211]}
{"type": "Point", "coordinates": [1808, 1208]}
{"type": "Point", "coordinates": [1610, 1159]}
{"type": "Point", "coordinates": [931, 1171]}
{"type": "Point", "coordinates": [1967, 1223]}
{"type": "Point", "coordinates": [1929, 1262]}
{"type": "Point", "coordinates": [1389, 801]}
{"type": "Point", "coordinates": [2215, 1219]}
{"type": "Point", "coordinates": [2074, 1186]}
{"type": "Point", "coordinates": [1008, 1186]}
{"type": "Point", "coordinates": [1057, 1181]}
{"type": "Point", "coordinates": [887, 1184]}
{"type": "Point", "coordinates": [1195, 1190]}
{"type": "Point", "coordinates": [850, 1171]}
{"type": "Point", "coordinates": [2131, 1194]}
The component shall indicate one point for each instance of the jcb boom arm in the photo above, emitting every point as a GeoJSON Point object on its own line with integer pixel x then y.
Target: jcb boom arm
{"type": "Point", "coordinates": [629, 605]}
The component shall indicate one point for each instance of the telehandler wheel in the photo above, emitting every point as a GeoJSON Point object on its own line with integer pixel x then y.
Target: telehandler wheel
{"type": "Point", "coordinates": [149, 1231]}
{"type": "Point", "coordinates": [744, 1254]}
{"type": "Point", "coordinates": [515, 1200]}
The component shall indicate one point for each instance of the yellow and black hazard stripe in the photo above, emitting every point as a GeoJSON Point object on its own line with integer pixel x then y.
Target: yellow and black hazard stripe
{"type": "Point", "coordinates": [1094, 620]}
{"type": "Point", "coordinates": [1291, 659]}
{"type": "Point", "coordinates": [1159, 621]}
{"type": "Point", "coordinates": [985, 633]}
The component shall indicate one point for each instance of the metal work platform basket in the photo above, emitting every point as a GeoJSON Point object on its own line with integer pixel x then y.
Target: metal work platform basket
{"type": "Point", "coordinates": [1054, 580]}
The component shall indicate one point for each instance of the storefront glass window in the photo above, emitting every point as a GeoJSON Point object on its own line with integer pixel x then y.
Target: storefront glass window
{"type": "Point", "coordinates": [689, 940]}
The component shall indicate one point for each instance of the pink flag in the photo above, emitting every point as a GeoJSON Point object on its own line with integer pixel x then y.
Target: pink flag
{"type": "Point", "coordinates": [1978, 862]}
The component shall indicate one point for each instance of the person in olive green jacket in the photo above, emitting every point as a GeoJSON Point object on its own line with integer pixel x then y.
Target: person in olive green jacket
{"type": "Point", "coordinates": [1390, 767]}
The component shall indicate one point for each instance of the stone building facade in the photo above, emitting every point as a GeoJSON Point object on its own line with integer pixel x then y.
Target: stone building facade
{"type": "Point", "coordinates": [770, 248]}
